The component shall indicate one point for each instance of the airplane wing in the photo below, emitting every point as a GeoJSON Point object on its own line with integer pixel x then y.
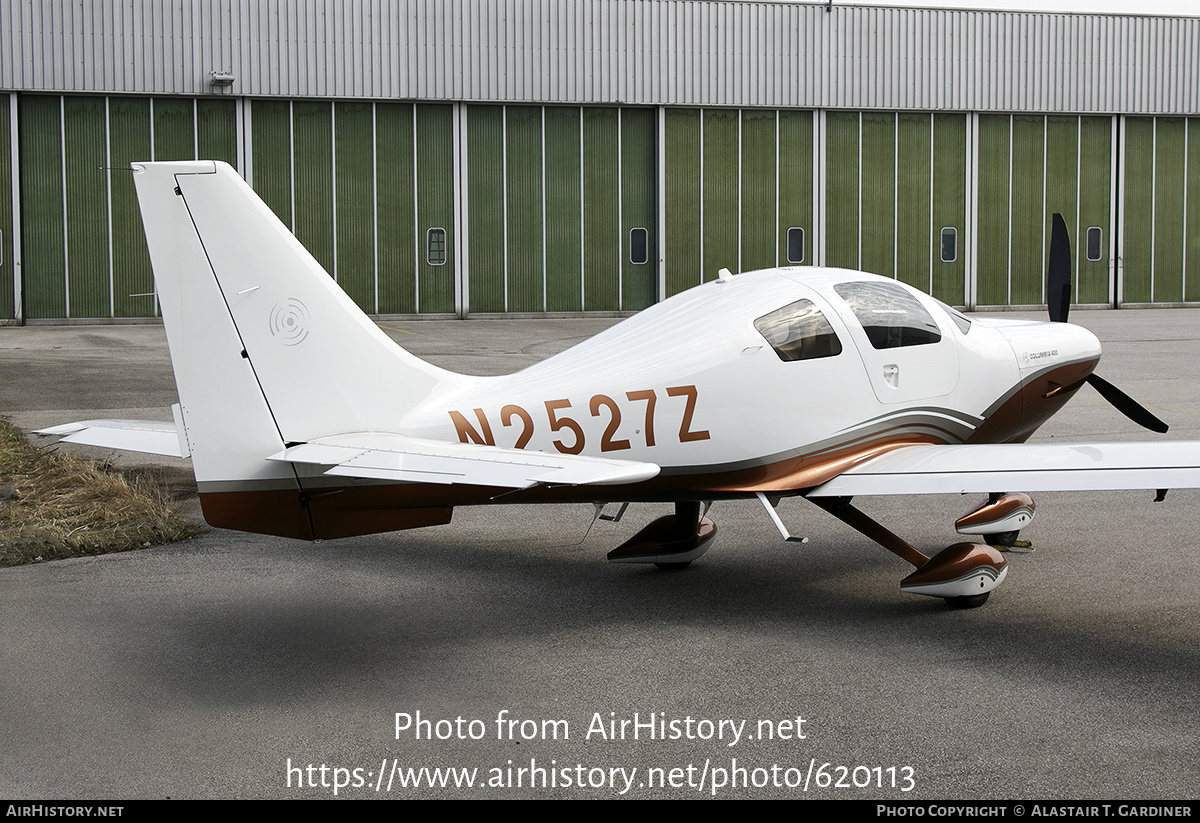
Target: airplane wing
{"type": "Point", "coordinates": [383, 456]}
{"type": "Point", "coordinates": [149, 436]}
{"type": "Point", "coordinates": [1021, 467]}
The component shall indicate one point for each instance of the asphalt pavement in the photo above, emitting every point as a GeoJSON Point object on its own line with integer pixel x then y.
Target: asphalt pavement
{"type": "Point", "coordinates": [504, 648]}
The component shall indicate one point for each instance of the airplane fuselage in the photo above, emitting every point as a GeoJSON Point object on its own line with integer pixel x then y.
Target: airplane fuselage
{"type": "Point", "coordinates": [692, 385]}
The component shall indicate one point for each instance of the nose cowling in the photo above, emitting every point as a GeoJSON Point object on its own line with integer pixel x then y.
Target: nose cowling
{"type": "Point", "coordinates": [1054, 361]}
{"type": "Point", "coordinates": [1041, 346]}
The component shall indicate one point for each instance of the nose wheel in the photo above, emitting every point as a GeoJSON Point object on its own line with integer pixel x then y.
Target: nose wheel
{"type": "Point", "coordinates": [968, 601]}
{"type": "Point", "coordinates": [1004, 540]}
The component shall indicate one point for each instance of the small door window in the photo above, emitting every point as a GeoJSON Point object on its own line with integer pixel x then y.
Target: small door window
{"type": "Point", "coordinates": [1095, 243]}
{"type": "Point", "coordinates": [639, 246]}
{"type": "Point", "coordinates": [795, 245]}
{"type": "Point", "coordinates": [435, 247]}
{"type": "Point", "coordinates": [949, 244]}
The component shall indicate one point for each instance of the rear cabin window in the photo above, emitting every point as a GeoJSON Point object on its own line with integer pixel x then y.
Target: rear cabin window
{"type": "Point", "coordinates": [799, 331]}
{"type": "Point", "coordinates": [890, 315]}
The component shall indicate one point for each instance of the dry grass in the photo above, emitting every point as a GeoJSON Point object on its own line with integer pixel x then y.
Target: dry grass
{"type": "Point", "coordinates": [55, 505]}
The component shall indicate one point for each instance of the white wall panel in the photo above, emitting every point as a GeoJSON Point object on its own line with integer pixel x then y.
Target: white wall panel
{"type": "Point", "coordinates": [651, 52]}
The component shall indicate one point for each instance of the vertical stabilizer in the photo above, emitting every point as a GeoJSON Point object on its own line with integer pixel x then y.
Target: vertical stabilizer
{"type": "Point", "coordinates": [267, 350]}
{"type": "Point", "coordinates": [324, 366]}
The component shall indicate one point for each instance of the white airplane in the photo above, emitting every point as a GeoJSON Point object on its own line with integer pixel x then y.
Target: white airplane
{"type": "Point", "coordinates": [303, 419]}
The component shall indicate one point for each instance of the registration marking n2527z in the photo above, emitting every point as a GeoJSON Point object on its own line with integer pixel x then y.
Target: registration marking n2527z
{"type": "Point", "coordinates": [560, 416]}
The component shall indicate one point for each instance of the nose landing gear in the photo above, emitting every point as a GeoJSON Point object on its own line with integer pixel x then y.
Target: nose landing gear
{"type": "Point", "coordinates": [964, 574]}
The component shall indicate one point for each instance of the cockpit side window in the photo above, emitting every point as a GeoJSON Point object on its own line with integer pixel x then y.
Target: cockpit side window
{"type": "Point", "coordinates": [799, 331]}
{"type": "Point", "coordinates": [890, 315]}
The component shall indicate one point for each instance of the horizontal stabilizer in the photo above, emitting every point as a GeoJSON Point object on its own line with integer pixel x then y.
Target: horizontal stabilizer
{"type": "Point", "coordinates": [381, 456]}
{"type": "Point", "coordinates": [1022, 467]}
{"type": "Point", "coordinates": [147, 436]}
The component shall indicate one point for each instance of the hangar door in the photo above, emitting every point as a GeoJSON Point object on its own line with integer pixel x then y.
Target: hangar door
{"type": "Point", "coordinates": [83, 250]}
{"type": "Point", "coordinates": [560, 208]}
{"type": "Point", "coordinates": [1028, 168]}
{"type": "Point", "coordinates": [368, 188]}
{"type": "Point", "coordinates": [8, 247]}
{"type": "Point", "coordinates": [895, 196]}
{"type": "Point", "coordinates": [1160, 219]}
{"type": "Point", "coordinates": [738, 192]}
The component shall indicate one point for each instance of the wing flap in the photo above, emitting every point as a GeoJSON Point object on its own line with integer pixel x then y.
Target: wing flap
{"type": "Point", "coordinates": [384, 456]}
{"type": "Point", "coordinates": [149, 436]}
{"type": "Point", "coordinates": [1022, 467]}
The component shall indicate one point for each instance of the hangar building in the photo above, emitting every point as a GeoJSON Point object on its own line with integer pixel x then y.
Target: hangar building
{"type": "Point", "coordinates": [455, 157]}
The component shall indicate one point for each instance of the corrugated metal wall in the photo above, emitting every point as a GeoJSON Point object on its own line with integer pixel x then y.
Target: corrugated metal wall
{"type": "Point", "coordinates": [629, 52]}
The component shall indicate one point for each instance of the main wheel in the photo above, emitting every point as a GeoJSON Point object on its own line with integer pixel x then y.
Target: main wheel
{"type": "Point", "coordinates": [1005, 539]}
{"type": "Point", "coordinates": [968, 601]}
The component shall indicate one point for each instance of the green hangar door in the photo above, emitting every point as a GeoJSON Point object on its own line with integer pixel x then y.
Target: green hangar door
{"type": "Point", "coordinates": [83, 248]}
{"type": "Point", "coordinates": [1029, 167]}
{"type": "Point", "coordinates": [368, 189]}
{"type": "Point", "coordinates": [560, 204]}
{"type": "Point", "coordinates": [738, 192]}
{"type": "Point", "coordinates": [1160, 221]}
{"type": "Point", "coordinates": [896, 198]}
{"type": "Point", "coordinates": [8, 307]}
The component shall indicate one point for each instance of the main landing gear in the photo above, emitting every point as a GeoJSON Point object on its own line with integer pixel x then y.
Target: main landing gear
{"type": "Point", "coordinates": [963, 574]}
{"type": "Point", "coordinates": [670, 542]}
{"type": "Point", "coordinates": [999, 519]}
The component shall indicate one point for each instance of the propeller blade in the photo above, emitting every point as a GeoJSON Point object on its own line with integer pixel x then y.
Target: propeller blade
{"type": "Point", "coordinates": [1058, 274]}
{"type": "Point", "coordinates": [1058, 297]}
{"type": "Point", "coordinates": [1126, 405]}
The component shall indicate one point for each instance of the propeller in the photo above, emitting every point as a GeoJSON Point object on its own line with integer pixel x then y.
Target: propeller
{"type": "Point", "coordinates": [1058, 275]}
{"type": "Point", "coordinates": [1126, 405]}
{"type": "Point", "coordinates": [1058, 296]}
